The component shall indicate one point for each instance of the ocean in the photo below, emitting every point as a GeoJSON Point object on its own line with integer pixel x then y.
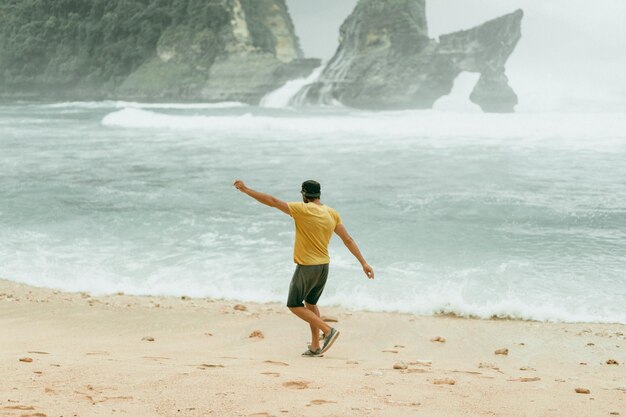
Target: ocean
{"type": "Point", "coordinates": [509, 215]}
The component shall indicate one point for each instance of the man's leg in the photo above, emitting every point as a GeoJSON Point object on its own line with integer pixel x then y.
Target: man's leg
{"type": "Point", "coordinates": [314, 321]}
{"type": "Point", "coordinates": [315, 331]}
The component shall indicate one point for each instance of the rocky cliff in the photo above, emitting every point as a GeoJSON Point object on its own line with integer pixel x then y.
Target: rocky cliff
{"type": "Point", "coordinates": [386, 60]}
{"type": "Point", "coordinates": [210, 50]}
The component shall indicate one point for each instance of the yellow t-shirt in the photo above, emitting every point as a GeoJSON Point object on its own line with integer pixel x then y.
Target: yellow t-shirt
{"type": "Point", "coordinates": [315, 225]}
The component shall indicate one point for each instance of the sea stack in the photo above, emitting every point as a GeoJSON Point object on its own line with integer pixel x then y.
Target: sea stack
{"type": "Point", "coordinates": [386, 60]}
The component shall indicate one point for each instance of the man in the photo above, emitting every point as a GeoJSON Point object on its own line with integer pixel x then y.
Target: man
{"type": "Point", "coordinates": [315, 224]}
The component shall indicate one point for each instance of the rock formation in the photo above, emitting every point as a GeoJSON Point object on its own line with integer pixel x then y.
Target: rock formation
{"type": "Point", "coordinates": [386, 60]}
{"type": "Point", "coordinates": [211, 50]}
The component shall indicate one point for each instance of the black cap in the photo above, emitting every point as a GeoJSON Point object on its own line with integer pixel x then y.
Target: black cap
{"type": "Point", "coordinates": [311, 189]}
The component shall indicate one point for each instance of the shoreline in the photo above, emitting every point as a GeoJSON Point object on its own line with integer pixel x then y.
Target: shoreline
{"type": "Point", "coordinates": [182, 356]}
{"type": "Point", "coordinates": [443, 314]}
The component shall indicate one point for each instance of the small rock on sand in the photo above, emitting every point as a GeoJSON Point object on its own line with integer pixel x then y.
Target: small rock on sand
{"type": "Point", "coordinates": [400, 365]}
{"type": "Point", "coordinates": [148, 339]}
{"type": "Point", "coordinates": [26, 360]}
{"type": "Point", "coordinates": [258, 334]}
{"type": "Point", "coordinates": [185, 298]}
{"type": "Point", "coordinates": [612, 362]}
{"type": "Point", "coordinates": [444, 381]}
{"type": "Point", "coordinates": [614, 413]}
{"type": "Point", "coordinates": [582, 391]}
{"type": "Point", "coordinates": [502, 351]}
{"type": "Point", "coordinates": [330, 319]}
{"type": "Point", "coordinates": [438, 339]}
{"type": "Point", "coordinates": [240, 307]}
{"type": "Point", "coordinates": [119, 293]}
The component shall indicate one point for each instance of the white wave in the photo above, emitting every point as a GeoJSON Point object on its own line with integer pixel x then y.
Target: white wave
{"type": "Point", "coordinates": [391, 127]}
{"type": "Point", "coordinates": [450, 300]}
{"type": "Point", "coordinates": [106, 104]}
{"type": "Point", "coordinates": [433, 300]}
{"type": "Point", "coordinates": [282, 97]}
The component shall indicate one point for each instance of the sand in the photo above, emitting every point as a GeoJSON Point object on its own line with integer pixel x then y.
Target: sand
{"type": "Point", "coordinates": [166, 356]}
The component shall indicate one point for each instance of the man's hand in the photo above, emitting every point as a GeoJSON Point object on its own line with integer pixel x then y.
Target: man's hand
{"type": "Point", "coordinates": [368, 271]}
{"type": "Point", "coordinates": [240, 186]}
{"type": "Point", "coordinates": [266, 199]}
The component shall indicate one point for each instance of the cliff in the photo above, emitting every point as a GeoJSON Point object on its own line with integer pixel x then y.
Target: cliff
{"type": "Point", "coordinates": [209, 50]}
{"type": "Point", "coordinates": [386, 60]}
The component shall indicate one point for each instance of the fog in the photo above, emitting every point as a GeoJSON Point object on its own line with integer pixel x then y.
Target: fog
{"type": "Point", "coordinates": [572, 55]}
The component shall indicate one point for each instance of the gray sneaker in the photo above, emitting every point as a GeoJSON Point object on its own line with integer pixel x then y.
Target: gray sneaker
{"type": "Point", "coordinates": [330, 339]}
{"type": "Point", "coordinates": [310, 352]}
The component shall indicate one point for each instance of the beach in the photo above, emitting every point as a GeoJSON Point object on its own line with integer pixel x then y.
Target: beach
{"type": "Point", "coordinates": [72, 354]}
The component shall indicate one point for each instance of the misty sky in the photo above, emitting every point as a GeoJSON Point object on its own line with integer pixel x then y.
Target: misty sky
{"type": "Point", "coordinates": [572, 51]}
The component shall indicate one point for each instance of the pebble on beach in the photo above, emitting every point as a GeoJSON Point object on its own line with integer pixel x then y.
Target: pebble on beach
{"type": "Point", "coordinates": [502, 351]}
{"type": "Point", "coordinates": [258, 334]}
{"type": "Point", "coordinates": [240, 307]}
{"type": "Point", "coordinates": [612, 362]}
{"type": "Point", "coordinates": [582, 391]}
{"type": "Point", "coordinates": [148, 339]}
{"type": "Point", "coordinates": [438, 339]}
{"type": "Point", "coordinates": [444, 381]}
{"type": "Point", "coordinates": [400, 365]}
{"type": "Point", "coordinates": [26, 360]}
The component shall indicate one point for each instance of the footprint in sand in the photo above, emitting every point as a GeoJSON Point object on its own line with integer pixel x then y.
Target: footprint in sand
{"type": "Point", "coordinates": [296, 384]}
{"type": "Point", "coordinates": [322, 402]}
{"type": "Point", "coordinates": [209, 365]}
{"type": "Point", "coordinates": [156, 358]}
{"type": "Point", "coordinates": [276, 363]}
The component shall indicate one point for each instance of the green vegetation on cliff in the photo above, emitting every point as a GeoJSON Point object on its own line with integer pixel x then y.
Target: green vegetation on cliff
{"type": "Point", "coordinates": [56, 44]}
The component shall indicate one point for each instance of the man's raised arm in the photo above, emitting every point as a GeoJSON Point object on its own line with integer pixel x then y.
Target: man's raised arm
{"type": "Point", "coordinates": [342, 232]}
{"type": "Point", "coordinates": [266, 199]}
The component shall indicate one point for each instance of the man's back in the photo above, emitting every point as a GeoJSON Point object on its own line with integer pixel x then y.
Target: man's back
{"type": "Point", "coordinates": [315, 224]}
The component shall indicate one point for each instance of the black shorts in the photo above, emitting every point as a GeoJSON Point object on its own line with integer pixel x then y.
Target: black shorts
{"type": "Point", "coordinates": [307, 284]}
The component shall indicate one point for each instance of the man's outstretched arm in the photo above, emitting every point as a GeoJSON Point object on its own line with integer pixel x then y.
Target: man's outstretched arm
{"type": "Point", "coordinates": [342, 232]}
{"type": "Point", "coordinates": [266, 199]}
